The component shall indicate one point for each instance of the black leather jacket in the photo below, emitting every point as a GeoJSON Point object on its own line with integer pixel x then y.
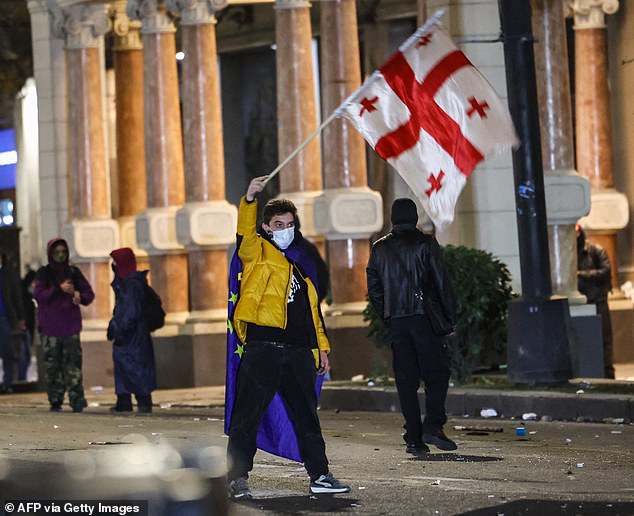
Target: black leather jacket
{"type": "Point", "coordinates": [594, 276]}
{"type": "Point", "coordinates": [402, 265]}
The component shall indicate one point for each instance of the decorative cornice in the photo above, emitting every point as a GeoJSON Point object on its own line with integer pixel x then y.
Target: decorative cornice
{"type": "Point", "coordinates": [590, 14]}
{"type": "Point", "coordinates": [127, 32]}
{"type": "Point", "coordinates": [152, 14]}
{"type": "Point", "coordinates": [291, 4]}
{"type": "Point", "coordinates": [83, 25]}
{"type": "Point", "coordinates": [193, 12]}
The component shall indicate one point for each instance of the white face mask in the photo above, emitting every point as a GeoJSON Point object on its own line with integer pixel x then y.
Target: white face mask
{"type": "Point", "coordinates": [283, 237]}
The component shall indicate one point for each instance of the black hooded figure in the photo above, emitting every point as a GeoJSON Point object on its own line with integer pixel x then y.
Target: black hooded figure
{"type": "Point", "coordinates": [409, 286]}
{"type": "Point", "coordinates": [594, 278]}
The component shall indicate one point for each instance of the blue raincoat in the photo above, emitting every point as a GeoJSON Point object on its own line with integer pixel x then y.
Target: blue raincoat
{"type": "Point", "coordinates": [133, 350]}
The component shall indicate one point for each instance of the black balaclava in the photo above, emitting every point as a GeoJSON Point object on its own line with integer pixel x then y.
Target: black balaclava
{"type": "Point", "coordinates": [404, 212]}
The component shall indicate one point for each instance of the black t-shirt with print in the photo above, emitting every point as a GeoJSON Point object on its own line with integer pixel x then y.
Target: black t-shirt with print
{"type": "Point", "coordinates": [298, 317]}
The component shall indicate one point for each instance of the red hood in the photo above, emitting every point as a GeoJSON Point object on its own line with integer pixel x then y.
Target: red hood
{"type": "Point", "coordinates": [126, 261]}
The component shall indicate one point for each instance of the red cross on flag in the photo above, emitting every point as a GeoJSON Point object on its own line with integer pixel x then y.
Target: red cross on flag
{"type": "Point", "coordinates": [432, 116]}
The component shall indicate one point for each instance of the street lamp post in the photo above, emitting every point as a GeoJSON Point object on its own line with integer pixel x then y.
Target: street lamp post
{"type": "Point", "coordinates": [539, 332]}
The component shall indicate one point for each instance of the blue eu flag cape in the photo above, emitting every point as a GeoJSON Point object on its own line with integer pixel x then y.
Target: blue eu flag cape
{"type": "Point", "coordinates": [276, 434]}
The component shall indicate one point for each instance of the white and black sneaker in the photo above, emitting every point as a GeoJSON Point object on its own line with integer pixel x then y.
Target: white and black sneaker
{"type": "Point", "coordinates": [328, 484]}
{"type": "Point", "coordinates": [239, 489]}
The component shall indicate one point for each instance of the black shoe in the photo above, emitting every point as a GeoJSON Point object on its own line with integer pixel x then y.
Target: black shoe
{"type": "Point", "coordinates": [79, 405]}
{"type": "Point", "coordinates": [417, 449]}
{"type": "Point", "coordinates": [144, 403]}
{"type": "Point", "coordinates": [56, 407]}
{"type": "Point", "coordinates": [124, 403]}
{"type": "Point", "coordinates": [328, 484]}
{"type": "Point", "coordinates": [239, 489]}
{"type": "Point", "coordinates": [440, 441]}
{"type": "Point", "coordinates": [119, 409]}
{"type": "Point", "coordinates": [9, 390]}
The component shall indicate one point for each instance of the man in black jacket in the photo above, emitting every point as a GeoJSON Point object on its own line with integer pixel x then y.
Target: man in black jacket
{"type": "Point", "coordinates": [11, 320]}
{"type": "Point", "coordinates": [595, 282]}
{"type": "Point", "coordinates": [405, 274]}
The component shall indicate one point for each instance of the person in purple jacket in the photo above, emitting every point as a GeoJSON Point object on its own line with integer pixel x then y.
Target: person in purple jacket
{"type": "Point", "coordinates": [59, 290]}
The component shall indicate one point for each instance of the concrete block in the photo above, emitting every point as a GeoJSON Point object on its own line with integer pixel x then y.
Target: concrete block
{"type": "Point", "coordinates": [558, 406]}
{"type": "Point", "coordinates": [455, 404]}
{"type": "Point", "coordinates": [517, 403]}
{"type": "Point", "coordinates": [587, 349]}
{"type": "Point", "coordinates": [351, 398]}
{"type": "Point", "coordinates": [599, 407]}
{"type": "Point", "coordinates": [174, 356]}
{"type": "Point", "coordinates": [97, 365]}
{"type": "Point", "coordinates": [354, 353]}
{"type": "Point", "coordinates": [209, 359]}
{"type": "Point", "coordinates": [478, 400]}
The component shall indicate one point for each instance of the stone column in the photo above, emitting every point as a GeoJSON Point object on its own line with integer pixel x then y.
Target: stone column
{"type": "Point", "coordinates": [567, 194]}
{"type": "Point", "coordinates": [300, 180]}
{"type": "Point", "coordinates": [128, 66]}
{"type": "Point", "coordinates": [91, 233]}
{"type": "Point", "coordinates": [348, 212]}
{"type": "Point", "coordinates": [296, 103]}
{"type": "Point", "coordinates": [421, 12]}
{"type": "Point", "coordinates": [206, 224]}
{"type": "Point", "coordinates": [610, 210]}
{"type": "Point", "coordinates": [156, 226]}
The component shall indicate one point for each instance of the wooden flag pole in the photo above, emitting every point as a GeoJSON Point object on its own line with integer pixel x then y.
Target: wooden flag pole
{"type": "Point", "coordinates": [323, 125]}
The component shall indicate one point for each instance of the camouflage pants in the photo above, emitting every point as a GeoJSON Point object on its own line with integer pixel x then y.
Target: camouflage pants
{"type": "Point", "coordinates": [62, 360]}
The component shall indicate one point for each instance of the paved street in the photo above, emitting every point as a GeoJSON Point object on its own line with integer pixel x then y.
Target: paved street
{"type": "Point", "coordinates": [560, 468]}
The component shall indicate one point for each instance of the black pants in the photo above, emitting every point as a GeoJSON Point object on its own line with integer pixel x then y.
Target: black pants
{"type": "Point", "coordinates": [606, 328]}
{"type": "Point", "coordinates": [267, 368]}
{"type": "Point", "coordinates": [420, 354]}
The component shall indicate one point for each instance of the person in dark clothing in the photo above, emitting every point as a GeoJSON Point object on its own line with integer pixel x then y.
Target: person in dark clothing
{"type": "Point", "coordinates": [278, 320]}
{"type": "Point", "coordinates": [305, 252]}
{"type": "Point", "coordinates": [132, 350]}
{"type": "Point", "coordinates": [404, 268]}
{"type": "Point", "coordinates": [28, 282]}
{"type": "Point", "coordinates": [59, 290]}
{"type": "Point", "coordinates": [594, 279]}
{"type": "Point", "coordinates": [11, 320]}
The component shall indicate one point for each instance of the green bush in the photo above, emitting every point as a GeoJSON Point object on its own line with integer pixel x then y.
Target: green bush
{"type": "Point", "coordinates": [482, 285]}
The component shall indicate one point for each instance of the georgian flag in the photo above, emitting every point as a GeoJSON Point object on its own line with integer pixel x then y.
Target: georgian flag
{"type": "Point", "coordinates": [431, 115]}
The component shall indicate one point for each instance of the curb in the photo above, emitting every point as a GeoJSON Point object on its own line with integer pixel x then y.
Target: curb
{"type": "Point", "coordinates": [463, 402]}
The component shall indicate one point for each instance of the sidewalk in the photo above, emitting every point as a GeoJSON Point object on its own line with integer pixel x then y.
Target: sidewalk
{"type": "Point", "coordinates": [469, 402]}
{"type": "Point", "coordinates": [583, 405]}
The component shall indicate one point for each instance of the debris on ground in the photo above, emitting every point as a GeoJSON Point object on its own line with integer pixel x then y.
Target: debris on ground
{"type": "Point", "coordinates": [472, 428]}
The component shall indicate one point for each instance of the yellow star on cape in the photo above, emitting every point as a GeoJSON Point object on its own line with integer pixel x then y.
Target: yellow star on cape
{"type": "Point", "coordinates": [239, 350]}
{"type": "Point", "coordinates": [229, 325]}
{"type": "Point", "coordinates": [240, 276]}
{"type": "Point", "coordinates": [233, 297]}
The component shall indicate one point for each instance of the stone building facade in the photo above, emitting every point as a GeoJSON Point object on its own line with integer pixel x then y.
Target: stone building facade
{"type": "Point", "coordinates": [154, 114]}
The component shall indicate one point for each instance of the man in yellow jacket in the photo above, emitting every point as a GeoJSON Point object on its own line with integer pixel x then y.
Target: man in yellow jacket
{"type": "Point", "coordinates": [278, 319]}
